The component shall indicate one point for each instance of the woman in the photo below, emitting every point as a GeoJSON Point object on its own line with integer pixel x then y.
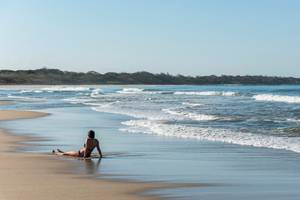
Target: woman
{"type": "Point", "coordinates": [85, 152]}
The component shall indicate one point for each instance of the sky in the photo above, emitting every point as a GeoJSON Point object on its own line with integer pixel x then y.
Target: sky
{"type": "Point", "coordinates": [233, 37]}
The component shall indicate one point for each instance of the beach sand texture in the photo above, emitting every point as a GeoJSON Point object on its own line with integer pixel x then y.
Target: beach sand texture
{"type": "Point", "coordinates": [3, 103]}
{"type": "Point", "coordinates": [29, 176]}
{"type": "Point", "coordinates": [16, 114]}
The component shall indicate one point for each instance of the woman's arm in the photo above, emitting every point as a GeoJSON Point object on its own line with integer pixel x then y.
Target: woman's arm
{"type": "Point", "coordinates": [99, 150]}
{"type": "Point", "coordinates": [84, 148]}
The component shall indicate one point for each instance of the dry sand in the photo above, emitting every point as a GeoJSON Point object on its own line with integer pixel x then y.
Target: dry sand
{"type": "Point", "coordinates": [26, 176]}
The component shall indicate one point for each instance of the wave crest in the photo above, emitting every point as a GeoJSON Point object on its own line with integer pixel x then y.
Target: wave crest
{"type": "Point", "coordinates": [207, 93]}
{"type": "Point", "coordinates": [24, 98]}
{"type": "Point", "coordinates": [277, 98]}
{"type": "Point", "coordinates": [97, 93]}
{"type": "Point", "coordinates": [189, 115]}
{"type": "Point", "coordinates": [65, 89]}
{"type": "Point", "coordinates": [211, 134]}
{"type": "Point", "coordinates": [192, 104]}
{"type": "Point", "coordinates": [130, 90]}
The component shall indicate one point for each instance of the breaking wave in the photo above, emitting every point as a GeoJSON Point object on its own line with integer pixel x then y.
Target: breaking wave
{"type": "Point", "coordinates": [140, 114]}
{"type": "Point", "coordinates": [192, 104]}
{"type": "Point", "coordinates": [189, 115]}
{"type": "Point", "coordinates": [211, 134]}
{"type": "Point", "coordinates": [30, 91]}
{"type": "Point", "coordinates": [277, 98]}
{"type": "Point", "coordinates": [292, 120]}
{"type": "Point", "coordinates": [97, 93]}
{"type": "Point", "coordinates": [76, 100]}
{"type": "Point", "coordinates": [65, 89]}
{"type": "Point", "coordinates": [142, 91]}
{"type": "Point", "coordinates": [23, 98]}
{"type": "Point", "coordinates": [130, 91]}
{"type": "Point", "coordinates": [207, 93]}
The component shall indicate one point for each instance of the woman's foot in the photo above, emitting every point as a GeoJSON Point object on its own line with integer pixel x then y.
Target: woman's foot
{"type": "Point", "coordinates": [60, 151]}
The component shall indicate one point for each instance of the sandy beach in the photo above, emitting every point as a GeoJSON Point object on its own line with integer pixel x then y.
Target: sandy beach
{"type": "Point", "coordinates": [153, 143]}
{"type": "Point", "coordinates": [40, 176]}
{"type": "Point", "coordinates": [150, 100]}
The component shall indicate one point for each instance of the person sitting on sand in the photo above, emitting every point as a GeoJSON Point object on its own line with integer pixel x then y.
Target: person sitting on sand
{"type": "Point", "coordinates": [85, 152]}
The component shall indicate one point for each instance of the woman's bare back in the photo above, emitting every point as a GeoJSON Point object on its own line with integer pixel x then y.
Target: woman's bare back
{"type": "Point", "coordinates": [90, 145]}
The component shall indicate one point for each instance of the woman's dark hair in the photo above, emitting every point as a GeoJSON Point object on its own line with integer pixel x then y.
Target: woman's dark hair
{"type": "Point", "coordinates": [91, 134]}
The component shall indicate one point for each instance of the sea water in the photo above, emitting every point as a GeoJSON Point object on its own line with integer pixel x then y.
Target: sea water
{"type": "Point", "coordinates": [242, 140]}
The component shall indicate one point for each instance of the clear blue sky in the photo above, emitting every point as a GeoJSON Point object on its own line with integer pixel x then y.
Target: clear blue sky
{"type": "Point", "coordinates": [187, 37]}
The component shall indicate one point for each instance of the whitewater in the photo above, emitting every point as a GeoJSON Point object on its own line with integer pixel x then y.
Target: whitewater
{"type": "Point", "coordinates": [258, 116]}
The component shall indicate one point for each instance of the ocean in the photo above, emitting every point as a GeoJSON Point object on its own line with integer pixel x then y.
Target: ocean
{"type": "Point", "coordinates": [242, 140]}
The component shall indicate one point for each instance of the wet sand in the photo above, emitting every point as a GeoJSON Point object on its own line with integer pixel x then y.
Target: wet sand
{"type": "Point", "coordinates": [29, 176]}
{"type": "Point", "coordinates": [3, 103]}
{"type": "Point", "coordinates": [16, 114]}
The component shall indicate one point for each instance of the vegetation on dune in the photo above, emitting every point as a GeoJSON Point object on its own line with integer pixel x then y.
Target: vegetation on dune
{"type": "Point", "coordinates": [56, 76]}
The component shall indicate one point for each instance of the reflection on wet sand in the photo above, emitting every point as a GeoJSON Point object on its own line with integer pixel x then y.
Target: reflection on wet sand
{"type": "Point", "coordinates": [92, 166]}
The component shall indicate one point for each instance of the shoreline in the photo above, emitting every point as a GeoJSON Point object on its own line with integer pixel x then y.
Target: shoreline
{"type": "Point", "coordinates": [23, 175]}
{"type": "Point", "coordinates": [139, 145]}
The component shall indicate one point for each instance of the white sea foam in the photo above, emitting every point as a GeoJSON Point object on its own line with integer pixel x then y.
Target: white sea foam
{"type": "Point", "coordinates": [212, 134]}
{"type": "Point", "coordinates": [277, 98]}
{"type": "Point", "coordinates": [191, 104]}
{"type": "Point", "coordinates": [206, 93]}
{"type": "Point", "coordinates": [65, 89]}
{"type": "Point", "coordinates": [140, 114]}
{"type": "Point", "coordinates": [152, 114]}
{"type": "Point", "coordinates": [141, 91]}
{"type": "Point", "coordinates": [130, 90]}
{"type": "Point", "coordinates": [189, 115]}
{"type": "Point", "coordinates": [292, 120]}
{"type": "Point", "coordinates": [24, 98]}
{"type": "Point", "coordinates": [97, 93]}
{"type": "Point", "coordinates": [77, 100]}
{"type": "Point", "coordinates": [30, 91]}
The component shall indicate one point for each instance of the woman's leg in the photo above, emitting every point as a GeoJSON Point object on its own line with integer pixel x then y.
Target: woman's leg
{"type": "Point", "coordinates": [71, 153]}
{"type": "Point", "coordinates": [60, 151]}
{"type": "Point", "coordinates": [68, 153]}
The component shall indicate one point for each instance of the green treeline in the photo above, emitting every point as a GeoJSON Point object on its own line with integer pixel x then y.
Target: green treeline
{"type": "Point", "coordinates": [56, 76]}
